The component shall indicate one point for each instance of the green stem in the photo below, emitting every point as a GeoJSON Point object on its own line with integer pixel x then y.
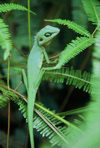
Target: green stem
{"type": "Point", "coordinates": [8, 80]}
{"type": "Point", "coordinates": [57, 117]}
{"type": "Point", "coordinates": [8, 75]}
{"type": "Point", "coordinates": [29, 25]}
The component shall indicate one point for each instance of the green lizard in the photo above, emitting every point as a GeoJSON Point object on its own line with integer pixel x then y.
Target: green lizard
{"type": "Point", "coordinates": [35, 70]}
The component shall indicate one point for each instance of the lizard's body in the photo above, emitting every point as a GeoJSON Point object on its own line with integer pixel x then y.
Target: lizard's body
{"type": "Point", "coordinates": [34, 70]}
{"type": "Point", "coordinates": [34, 64]}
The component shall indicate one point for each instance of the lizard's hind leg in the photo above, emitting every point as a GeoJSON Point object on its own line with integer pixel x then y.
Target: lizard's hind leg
{"type": "Point", "coordinates": [51, 68]}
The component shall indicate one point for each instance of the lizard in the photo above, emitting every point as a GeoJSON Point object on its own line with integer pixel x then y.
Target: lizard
{"type": "Point", "coordinates": [35, 71]}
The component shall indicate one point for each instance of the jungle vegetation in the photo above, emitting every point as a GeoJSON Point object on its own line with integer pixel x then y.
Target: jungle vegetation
{"type": "Point", "coordinates": [67, 107]}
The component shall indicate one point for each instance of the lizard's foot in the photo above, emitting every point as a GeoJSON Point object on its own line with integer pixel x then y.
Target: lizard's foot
{"type": "Point", "coordinates": [51, 68]}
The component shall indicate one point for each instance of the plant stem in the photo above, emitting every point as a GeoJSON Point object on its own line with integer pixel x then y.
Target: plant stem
{"type": "Point", "coordinates": [57, 117]}
{"type": "Point", "coordinates": [94, 31]}
{"type": "Point", "coordinates": [8, 132]}
{"type": "Point", "coordinates": [8, 76]}
{"type": "Point", "coordinates": [29, 25]}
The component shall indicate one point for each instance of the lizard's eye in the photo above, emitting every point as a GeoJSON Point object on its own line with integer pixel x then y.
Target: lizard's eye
{"type": "Point", "coordinates": [41, 39]}
{"type": "Point", "coordinates": [47, 34]}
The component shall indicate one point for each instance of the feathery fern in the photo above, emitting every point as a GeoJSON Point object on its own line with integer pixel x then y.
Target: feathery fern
{"type": "Point", "coordinates": [74, 48]}
{"type": "Point", "coordinates": [5, 96]}
{"type": "Point", "coordinates": [75, 111]}
{"type": "Point", "coordinates": [8, 7]}
{"type": "Point", "coordinates": [49, 124]}
{"type": "Point", "coordinates": [70, 76]}
{"type": "Point", "coordinates": [46, 122]}
{"type": "Point", "coordinates": [72, 25]}
{"type": "Point", "coordinates": [5, 41]}
{"type": "Point", "coordinates": [92, 126]}
{"type": "Point", "coordinates": [92, 8]}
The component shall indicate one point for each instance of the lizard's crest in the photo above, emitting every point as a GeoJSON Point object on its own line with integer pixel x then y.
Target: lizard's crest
{"type": "Point", "coordinates": [46, 34]}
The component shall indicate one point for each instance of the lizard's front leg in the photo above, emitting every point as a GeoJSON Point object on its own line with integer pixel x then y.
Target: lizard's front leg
{"type": "Point", "coordinates": [47, 58]}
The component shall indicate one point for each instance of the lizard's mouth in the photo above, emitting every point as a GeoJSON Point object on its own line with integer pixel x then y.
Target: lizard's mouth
{"type": "Point", "coordinates": [47, 43]}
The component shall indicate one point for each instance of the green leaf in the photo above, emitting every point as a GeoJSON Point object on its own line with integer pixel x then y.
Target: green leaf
{"type": "Point", "coordinates": [72, 25]}
{"type": "Point", "coordinates": [8, 7]}
{"type": "Point", "coordinates": [92, 9]}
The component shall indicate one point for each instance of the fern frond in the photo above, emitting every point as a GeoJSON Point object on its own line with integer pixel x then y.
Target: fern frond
{"type": "Point", "coordinates": [74, 48]}
{"type": "Point", "coordinates": [92, 8]}
{"type": "Point", "coordinates": [5, 96]}
{"type": "Point", "coordinates": [46, 122]}
{"type": "Point", "coordinates": [92, 126]}
{"type": "Point", "coordinates": [75, 111]}
{"type": "Point", "coordinates": [5, 41]}
{"type": "Point", "coordinates": [56, 122]}
{"type": "Point", "coordinates": [50, 128]}
{"type": "Point", "coordinates": [8, 7]}
{"type": "Point", "coordinates": [70, 76]}
{"type": "Point", "coordinates": [72, 25]}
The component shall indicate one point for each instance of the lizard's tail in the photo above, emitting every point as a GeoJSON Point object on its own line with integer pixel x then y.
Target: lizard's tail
{"type": "Point", "coordinates": [30, 108]}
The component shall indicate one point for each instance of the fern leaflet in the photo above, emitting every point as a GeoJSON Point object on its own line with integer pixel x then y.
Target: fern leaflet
{"type": "Point", "coordinates": [92, 8]}
{"type": "Point", "coordinates": [5, 96]}
{"type": "Point", "coordinates": [8, 7]}
{"type": "Point", "coordinates": [70, 76]}
{"type": "Point", "coordinates": [74, 48]}
{"type": "Point", "coordinates": [75, 111]}
{"type": "Point", "coordinates": [5, 41]}
{"type": "Point", "coordinates": [72, 25]}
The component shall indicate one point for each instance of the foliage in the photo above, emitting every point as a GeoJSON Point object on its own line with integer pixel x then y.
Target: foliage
{"type": "Point", "coordinates": [51, 122]}
{"type": "Point", "coordinates": [74, 48]}
{"type": "Point", "coordinates": [71, 77]}
{"type": "Point", "coordinates": [91, 128]}
{"type": "Point", "coordinates": [5, 40]}
{"type": "Point", "coordinates": [8, 7]}
{"type": "Point", "coordinates": [61, 129]}
{"type": "Point", "coordinates": [92, 8]}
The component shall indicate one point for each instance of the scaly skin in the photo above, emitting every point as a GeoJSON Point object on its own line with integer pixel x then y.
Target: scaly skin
{"type": "Point", "coordinates": [34, 70]}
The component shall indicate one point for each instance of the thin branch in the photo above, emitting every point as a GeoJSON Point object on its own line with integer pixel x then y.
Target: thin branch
{"type": "Point", "coordinates": [94, 31]}
{"type": "Point", "coordinates": [54, 57]}
{"type": "Point", "coordinates": [20, 83]}
{"type": "Point", "coordinates": [50, 125]}
{"type": "Point", "coordinates": [8, 84]}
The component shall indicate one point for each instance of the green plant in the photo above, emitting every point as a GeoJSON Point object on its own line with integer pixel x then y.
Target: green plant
{"type": "Point", "coordinates": [47, 122]}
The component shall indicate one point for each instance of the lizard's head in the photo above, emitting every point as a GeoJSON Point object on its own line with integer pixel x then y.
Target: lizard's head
{"type": "Point", "coordinates": [46, 34]}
